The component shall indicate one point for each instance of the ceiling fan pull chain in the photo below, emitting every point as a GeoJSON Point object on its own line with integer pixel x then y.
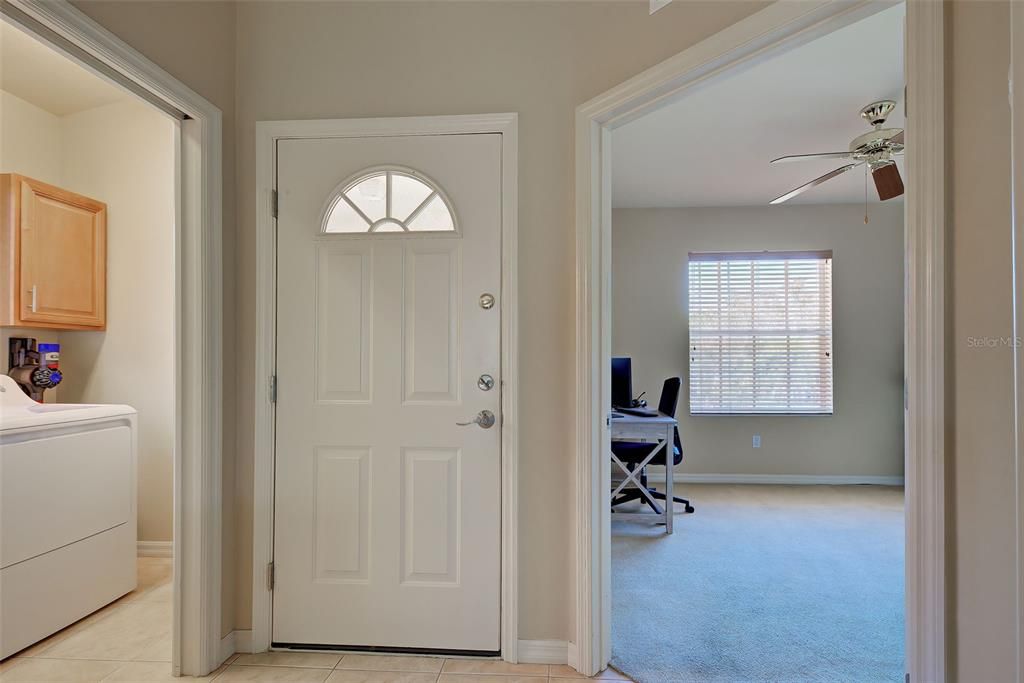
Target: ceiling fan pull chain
{"type": "Point", "coordinates": [865, 194]}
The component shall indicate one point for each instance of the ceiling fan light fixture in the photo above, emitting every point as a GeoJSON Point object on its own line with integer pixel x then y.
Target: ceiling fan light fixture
{"type": "Point", "coordinates": [887, 180]}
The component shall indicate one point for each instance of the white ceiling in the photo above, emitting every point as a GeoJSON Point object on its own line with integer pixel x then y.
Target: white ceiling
{"type": "Point", "coordinates": [46, 78]}
{"type": "Point", "coordinates": [713, 147]}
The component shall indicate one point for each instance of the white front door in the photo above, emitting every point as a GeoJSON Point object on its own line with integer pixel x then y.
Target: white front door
{"type": "Point", "coordinates": [387, 512]}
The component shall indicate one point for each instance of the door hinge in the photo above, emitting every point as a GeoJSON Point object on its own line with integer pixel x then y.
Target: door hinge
{"type": "Point", "coordinates": [270, 576]}
{"type": "Point", "coordinates": [273, 203]}
{"type": "Point", "coordinates": [273, 388]}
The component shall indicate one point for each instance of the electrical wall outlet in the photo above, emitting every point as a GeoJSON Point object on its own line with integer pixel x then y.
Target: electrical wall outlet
{"type": "Point", "coordinates": [757, 441]}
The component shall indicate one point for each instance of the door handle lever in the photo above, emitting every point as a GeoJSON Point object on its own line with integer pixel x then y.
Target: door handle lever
{"type": "Point", "coordinates": [484, 418]}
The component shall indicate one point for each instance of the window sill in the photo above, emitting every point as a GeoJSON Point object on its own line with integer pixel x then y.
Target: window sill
{"type": "Point", "coordinates": [830, 414]}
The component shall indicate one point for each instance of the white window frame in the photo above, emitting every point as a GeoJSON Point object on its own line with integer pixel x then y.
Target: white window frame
{"type": "Point", "coordinates": [695, 383]}
{"type": "Point", "coordinates": [340, 194]}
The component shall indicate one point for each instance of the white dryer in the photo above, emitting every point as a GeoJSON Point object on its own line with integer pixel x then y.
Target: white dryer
{"type": "Point", "coordinates": [67, 513]}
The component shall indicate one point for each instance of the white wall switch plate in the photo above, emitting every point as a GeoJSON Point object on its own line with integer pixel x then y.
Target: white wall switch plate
{"type": "Point", "coordinates": [757, 441]}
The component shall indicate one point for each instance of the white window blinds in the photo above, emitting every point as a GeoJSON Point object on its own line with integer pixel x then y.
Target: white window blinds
{"type": "Point", "coordinates": [761, 333]}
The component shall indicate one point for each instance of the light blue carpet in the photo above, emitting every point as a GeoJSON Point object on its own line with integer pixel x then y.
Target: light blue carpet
{"type": "Point", "coordinates": [763, 583]}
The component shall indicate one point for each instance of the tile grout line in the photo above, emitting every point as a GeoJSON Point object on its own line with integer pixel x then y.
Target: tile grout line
{"type": "Point", "coordinates": [547, 675]}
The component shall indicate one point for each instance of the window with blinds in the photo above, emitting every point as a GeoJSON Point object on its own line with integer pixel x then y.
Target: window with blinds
{"type": "Point", "coordinates": [761, 333]}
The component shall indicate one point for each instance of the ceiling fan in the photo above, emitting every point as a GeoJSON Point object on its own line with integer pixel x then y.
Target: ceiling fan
{"type": "Point", "coordinates": [875, 148]}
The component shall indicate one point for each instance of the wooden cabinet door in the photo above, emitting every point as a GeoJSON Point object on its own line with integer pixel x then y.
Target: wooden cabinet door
{"type": "Point", "coordinates": [62, 249]}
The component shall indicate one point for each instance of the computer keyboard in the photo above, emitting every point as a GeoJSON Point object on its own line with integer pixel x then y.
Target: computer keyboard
{"type": "Point", "coordinates": [638, 412]}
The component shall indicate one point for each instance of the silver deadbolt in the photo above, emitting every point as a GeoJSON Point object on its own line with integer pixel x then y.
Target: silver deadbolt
{"type": "Point", "coordinates": [484, 418]}
{"type": "Point", "coordinates": [486, 301]}
{"type": "Point", "coordinates": [485, 383]}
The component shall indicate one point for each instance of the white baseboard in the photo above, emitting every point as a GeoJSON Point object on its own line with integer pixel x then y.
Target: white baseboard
{"type": "Point", "coordinates": [227, 647]}
{"type": "Point", "coordinates": [543, 652]}
{"type": "Point", "coordinates": [236, 641]}
{"type": "Point", "coordinates": [572, 655]}
{"type": "Point", "coordinates": [156, 548]}
{"type": "Point", "coordinates": [243, 641]}
{"type": "Point", "coordinates": [798, 479]}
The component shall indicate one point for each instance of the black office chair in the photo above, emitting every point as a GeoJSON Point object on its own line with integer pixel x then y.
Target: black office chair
{"type": "Point", "coordinates": [632, 453]}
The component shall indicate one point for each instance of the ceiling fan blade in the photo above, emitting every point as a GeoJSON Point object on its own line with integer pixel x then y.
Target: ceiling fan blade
{"type": "Point", "coordinates": [898, 138]}
{"type": "Point", "coordinates": [814, 183]}
{"type": "Point", "coordinates": [887, 181]}
{"type": "Point", "coordinates": [801, 157]}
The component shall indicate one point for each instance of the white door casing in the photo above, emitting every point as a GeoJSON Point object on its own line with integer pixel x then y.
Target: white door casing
{"type": "Point", "coordinates": [779, 27]}
{"type": "Point", "coordinates": [387, 513]}
{"type": "Point", "coordinates": [196, 641]}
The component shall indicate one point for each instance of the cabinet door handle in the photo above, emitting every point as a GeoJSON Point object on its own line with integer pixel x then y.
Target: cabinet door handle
{"type": "Point", "coordinates": [33, 293]}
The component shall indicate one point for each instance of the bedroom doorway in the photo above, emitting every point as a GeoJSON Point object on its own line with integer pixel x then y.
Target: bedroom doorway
{"type": "Point", "coordinates": [771, 32]}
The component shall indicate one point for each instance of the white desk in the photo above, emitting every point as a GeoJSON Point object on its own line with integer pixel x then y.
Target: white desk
{"type": "Point", "coordinates": [657, 431]}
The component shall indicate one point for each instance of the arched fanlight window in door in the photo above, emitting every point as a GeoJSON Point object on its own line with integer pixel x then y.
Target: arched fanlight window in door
{"type": "Point", "coordinates": [389, 201]}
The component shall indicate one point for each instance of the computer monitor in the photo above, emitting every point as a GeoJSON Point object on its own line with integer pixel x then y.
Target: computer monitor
{"type": "Point", "coordinates": [622, 382]}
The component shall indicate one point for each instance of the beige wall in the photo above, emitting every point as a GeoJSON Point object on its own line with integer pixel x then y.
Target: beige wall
{"type": "Point", "coordinates": [980, 377]}
{"type": "Point", "coordinates": [30, 144]}
{"type": "Point", "coordinates": [312, 61]}
{"type": "Point", "coordinates": [30, 140]}
{"type": "Point", "coordinates": [124, 155]}
{"type": "Point", "coordinates": [649, 323]}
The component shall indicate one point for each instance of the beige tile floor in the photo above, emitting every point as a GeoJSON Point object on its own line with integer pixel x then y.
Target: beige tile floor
{"type": "Point", "coordinates": [130, 640]}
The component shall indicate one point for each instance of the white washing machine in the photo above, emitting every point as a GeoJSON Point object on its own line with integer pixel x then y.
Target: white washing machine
{"type": "Point", "coordinates": [67, 513]}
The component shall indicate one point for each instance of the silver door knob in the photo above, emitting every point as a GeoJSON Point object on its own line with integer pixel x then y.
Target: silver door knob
{"type": "Point", "coordinates": [484, 418]}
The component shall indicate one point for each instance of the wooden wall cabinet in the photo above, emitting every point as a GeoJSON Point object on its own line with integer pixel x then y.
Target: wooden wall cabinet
{"type": "Point", "coordinates": [53, 252]}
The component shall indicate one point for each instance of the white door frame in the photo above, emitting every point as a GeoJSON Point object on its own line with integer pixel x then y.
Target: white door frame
{"type": "Point", "coordinates": [267, 135]}
{"type": "Point", "coordinates": [779, 27]}
{"type": "Point", "coordinates": [1017, 222]}
{"type": "Point", "coordinates": [198, 315]}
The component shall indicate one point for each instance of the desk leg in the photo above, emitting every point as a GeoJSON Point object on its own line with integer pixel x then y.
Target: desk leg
{"type": "Point", "coordinates": [669, 465]}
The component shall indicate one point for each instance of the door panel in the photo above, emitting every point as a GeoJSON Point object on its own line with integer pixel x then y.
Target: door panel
{"type": "Point", "coordinates": [431, 335]}
{"type": "Point", "coordinates": [341, 514]}
{"type": "Point", "coordinates": [431, 497]}
{"type": "Point", "coordinates": [344, 326]}
{"type": "Point", "coordinates": [387, 513]}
